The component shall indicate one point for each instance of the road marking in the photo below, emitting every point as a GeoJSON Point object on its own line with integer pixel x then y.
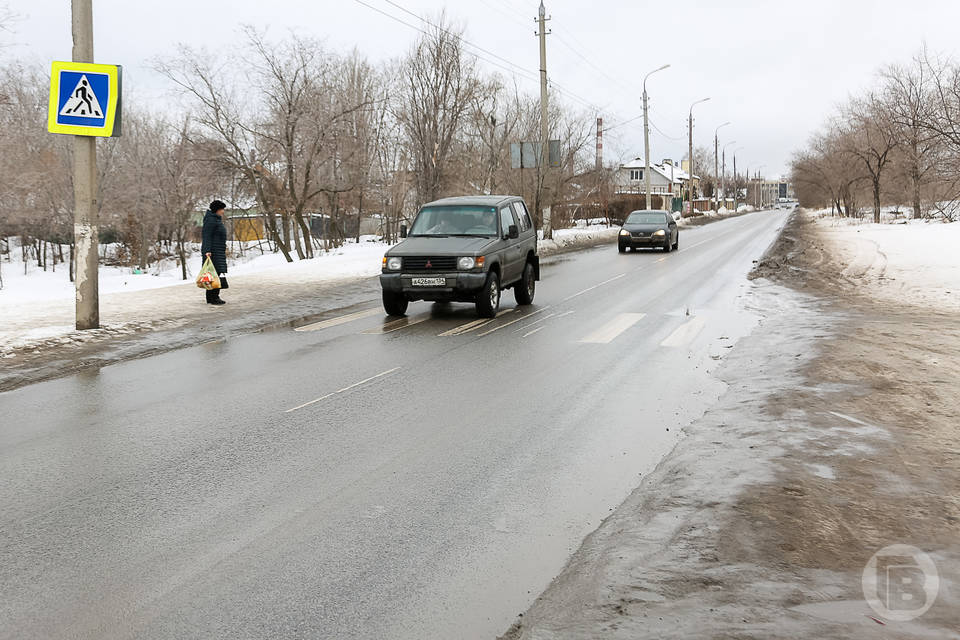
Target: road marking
{"type": "Point", "coordinates": [333, 322]}
{"type": "Point", "coordinates": [397, 325]}
{"type": "Point", "coordinates": [539, 320]}
{"type": "Point", "coordinates": [352, 386]}
{"type": "Point", "coordinates": [685, 333]}
{"type": "Point", "coordinates": [472, 326]}
{"type": "Point", "coordinates": [507, 324]}
{"type": "Point", "coordinates": [609, 331]}
{"type": "Point", "coordinates": [530, 333]}
{"type": "Point", "coordinates": [580, 293]}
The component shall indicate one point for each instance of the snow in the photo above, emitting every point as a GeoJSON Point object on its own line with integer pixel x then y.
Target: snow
{"type": "Point", "coordinates": [912, 262]}
{"type": "Point", "coordinates": [38, 307]}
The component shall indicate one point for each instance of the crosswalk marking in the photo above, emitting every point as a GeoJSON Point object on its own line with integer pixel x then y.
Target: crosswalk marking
{"type": "Point", "coordinates": [608, 332]}
{"type": "Point", "coordinates": [685, 333]}
{"type": "Point", "coordinates": [507, 324]}
{"type": "Point", "coordinates": [333, 322]}
{"type": "Point", "coordinates": [472, 326]}
{"type": "Point", "coordinates": [397, 325]}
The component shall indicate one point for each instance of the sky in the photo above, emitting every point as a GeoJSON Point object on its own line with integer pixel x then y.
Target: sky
{"type": "Point", "coordinates": [774, 69]}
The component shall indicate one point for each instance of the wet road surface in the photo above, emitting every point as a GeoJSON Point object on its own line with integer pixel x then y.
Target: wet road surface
{"type": "Point", "coordinates": [360, 476]}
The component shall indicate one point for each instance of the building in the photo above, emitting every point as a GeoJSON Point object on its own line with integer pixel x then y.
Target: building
{"type": "Point", "coordinates": [666, 178]}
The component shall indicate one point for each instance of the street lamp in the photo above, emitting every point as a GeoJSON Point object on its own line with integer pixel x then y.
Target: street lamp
{"type": "Point", "coordinates": [690, 157]}
{"type": "Point", "coordinates": [646, 133]}
{"type": "Point", "coordinates": [716, 168]}
{"type": "Point", "coordinates": [723, 179]}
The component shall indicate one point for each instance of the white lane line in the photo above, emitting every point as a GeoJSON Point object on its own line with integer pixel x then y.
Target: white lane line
{"type": "Point", "coordinates": [685, 333]}
{"type": "Point", "coordinates": [397, 325]}
{"type": "Point", "coordinates": [507, 324]}
{"type": "Point", "coordinates": [538, 321]}
{"type": "Point", "coordinates": [530, 333]}
{"type": "Point", "coordinates": [600, 284]}
{"type": "Point", "coordinates": [332, 322]}
{"type": "Point", "coordinates": [472, 326]}
{"type": "Point", "coordinates": [352, 386]}
{"type": "Point", "coordinates": [609, 331]}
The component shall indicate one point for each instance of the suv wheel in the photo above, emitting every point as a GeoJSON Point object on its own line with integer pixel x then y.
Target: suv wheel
{"type": "Point", "coordinates": [488, 300]}
{"type": "Point", "coordinates": [395, 304]}
{"type": "Point", "coordinates": [666, 245]}
{"type": "Point", "coordinates": [676, 245]}
{"type": "Point", "coordinates": [524, 290]}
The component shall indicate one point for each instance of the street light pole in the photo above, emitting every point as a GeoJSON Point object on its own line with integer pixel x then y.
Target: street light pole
{"type": "Point", "coordinates": [85, 216]}
{"type": "Point", "coordinates": [716, 168]}
{"type": "Point", "coordinates": [646, 134]}
{"type": "Point", "coordinates": [690, 158]}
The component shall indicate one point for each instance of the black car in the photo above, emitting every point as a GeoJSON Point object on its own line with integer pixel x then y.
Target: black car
{"type": "Point", "coordinates": [649, 228]}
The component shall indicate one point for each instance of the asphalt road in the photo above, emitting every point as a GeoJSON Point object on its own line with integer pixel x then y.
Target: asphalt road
{"type": "Point", "coordinates": [360, 477]}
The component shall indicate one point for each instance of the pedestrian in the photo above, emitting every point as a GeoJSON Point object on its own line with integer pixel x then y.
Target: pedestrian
{"type": "Point", "coordinates": [214, 245]}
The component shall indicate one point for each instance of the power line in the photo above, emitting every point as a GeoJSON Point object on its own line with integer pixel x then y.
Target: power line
{"type": "Point", "coordinates": [517, 69]}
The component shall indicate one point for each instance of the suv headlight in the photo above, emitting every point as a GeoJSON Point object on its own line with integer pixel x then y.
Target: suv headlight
{"type": "Point", "coordinates": [624, 232]}
{"type": "Point", "coordinates": [659, 232]}
{"type": "Point", "coordinates": [467, 263]}
{"type": "Point", "coordinates": [393, 263]}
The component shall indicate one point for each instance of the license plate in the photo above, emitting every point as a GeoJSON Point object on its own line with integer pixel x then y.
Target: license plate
{"type": "Point", "coordinates": [429, 282]}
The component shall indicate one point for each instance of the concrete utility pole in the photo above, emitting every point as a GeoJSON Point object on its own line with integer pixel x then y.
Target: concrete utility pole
{"type": "Point", "coordinates": [85, 223]}
{"type": "Point", "coordinates": [690, 158]}
{"type": "Point", "coordinates": [723, 172]}
{"type": "Point", "coordinates": [646, 134]}
{"type": "Point", "coordinates": [544, 129]}
{"type": "Point", "coordinates": [716, 167]}
{"type": "Point", "coordinates": [599, 144]}
{"type": "Point", "coordinates": [735, 188]}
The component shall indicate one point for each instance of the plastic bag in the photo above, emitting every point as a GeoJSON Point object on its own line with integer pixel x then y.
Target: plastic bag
{"type": "Point", "coordinates": [208, 278]}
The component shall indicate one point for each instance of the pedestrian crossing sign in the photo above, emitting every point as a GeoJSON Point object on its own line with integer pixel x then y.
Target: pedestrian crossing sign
{"type": "Point", "coordinates": [85, 99]}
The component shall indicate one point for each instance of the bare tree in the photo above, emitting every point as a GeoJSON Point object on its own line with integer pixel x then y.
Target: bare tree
{"type": "Point", "coordinates": [439, 86]}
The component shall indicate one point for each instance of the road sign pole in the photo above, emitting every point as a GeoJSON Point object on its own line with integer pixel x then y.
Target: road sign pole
{"type": "Point", "coordinates": [85, 217]}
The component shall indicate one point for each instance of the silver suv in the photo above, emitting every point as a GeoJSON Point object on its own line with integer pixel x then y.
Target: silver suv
{"type": "Point", "coordinates": [464, 249]}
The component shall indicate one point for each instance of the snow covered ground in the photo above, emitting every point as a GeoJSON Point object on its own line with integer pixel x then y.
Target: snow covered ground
{"type": "Point", "coordinates": [914, 262]}
{"type": "Point", "coordinates": [38, 306]}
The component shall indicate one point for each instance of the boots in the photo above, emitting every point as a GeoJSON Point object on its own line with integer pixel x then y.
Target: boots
{"type": "Point", "coordinates": [213, 297]}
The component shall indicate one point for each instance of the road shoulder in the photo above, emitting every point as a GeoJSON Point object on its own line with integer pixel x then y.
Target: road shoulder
{"type": "Point", "coordinates": [836, 438]}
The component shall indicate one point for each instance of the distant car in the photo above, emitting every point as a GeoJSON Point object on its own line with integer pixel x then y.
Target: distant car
{"type": "Point", "coordinates": [649, 228]}
{"type": "Point", "coordinates": [464, 249]}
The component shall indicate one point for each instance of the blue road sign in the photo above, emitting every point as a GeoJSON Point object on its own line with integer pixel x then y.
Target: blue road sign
{"type": "Point", "coordinates": [84, 99]}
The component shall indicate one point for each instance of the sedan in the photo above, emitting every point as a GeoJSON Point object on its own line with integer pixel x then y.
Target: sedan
{"type": "Point", "coordinates": [649, 228]}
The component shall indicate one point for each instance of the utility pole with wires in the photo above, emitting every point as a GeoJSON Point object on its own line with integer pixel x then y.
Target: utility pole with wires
{"type": "Point", "coordinates": [544, 128]}
{"type": "Point", "coordinates": [690, 158]}
{"type": "Point", "coordinates": [716, 163]}
{"type": "Point", "coordinates": [723, 172]}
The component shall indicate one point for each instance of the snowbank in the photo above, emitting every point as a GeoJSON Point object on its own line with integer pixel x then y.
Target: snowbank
{"type": "Point", "coordinates": [912, 262]}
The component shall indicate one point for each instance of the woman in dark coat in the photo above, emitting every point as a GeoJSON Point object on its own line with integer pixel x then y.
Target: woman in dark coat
{"type": "Point", "coordinates": [215, 245]}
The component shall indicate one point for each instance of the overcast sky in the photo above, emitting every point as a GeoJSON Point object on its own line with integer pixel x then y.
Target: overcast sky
{"type": "Point", "coordinates": [775, 69]}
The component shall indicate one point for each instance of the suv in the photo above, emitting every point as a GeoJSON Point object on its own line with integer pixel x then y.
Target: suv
{"type": "Point", "coordinates": [464, 249]}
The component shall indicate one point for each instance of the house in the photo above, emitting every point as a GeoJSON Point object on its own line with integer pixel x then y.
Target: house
{"type": "Point", "coordinates": [666, 178]}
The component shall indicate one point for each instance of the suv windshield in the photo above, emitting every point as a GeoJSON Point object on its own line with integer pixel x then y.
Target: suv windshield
{"type": "Point", "coordinates": [456, 220]}
{"type": "Point", "coordinates": [647, 217]}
